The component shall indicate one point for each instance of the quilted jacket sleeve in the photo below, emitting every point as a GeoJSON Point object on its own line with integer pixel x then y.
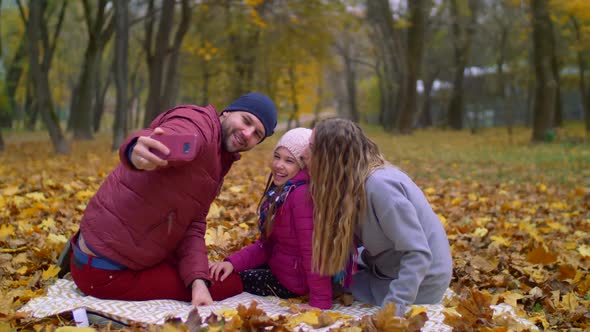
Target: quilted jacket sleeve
{"type": "Point", "coordinates": [192, 254]}
{"type": "Point", "coordinates": [250, 256]}
{"type": "Point", "coordinates": [320, 287]}
{"type": "Point", "coordinates": [180, 120]}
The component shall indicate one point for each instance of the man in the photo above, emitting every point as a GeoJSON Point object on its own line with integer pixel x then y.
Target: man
{"type": "Point", "coordinates": [142, 234]}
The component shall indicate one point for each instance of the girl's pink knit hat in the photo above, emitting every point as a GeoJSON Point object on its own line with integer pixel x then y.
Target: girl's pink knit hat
{"type": "Point", "coordinates": [296, 141]}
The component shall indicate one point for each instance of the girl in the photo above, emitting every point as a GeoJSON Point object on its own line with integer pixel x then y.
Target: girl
{"type": "Point", "coordinates": [361, 200]}
{"type": "Point", "coordinates": [279, 262]}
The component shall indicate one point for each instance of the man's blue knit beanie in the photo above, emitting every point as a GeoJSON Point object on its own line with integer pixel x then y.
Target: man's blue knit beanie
{"type": "Point", "coordinates": [260, 106]}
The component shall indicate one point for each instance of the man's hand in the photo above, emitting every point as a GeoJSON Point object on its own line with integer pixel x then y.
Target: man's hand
{"type": "Point", "coordinates": [200, 293]}
{"type": "Point", "coordinates": [225, 268]}
{"type": "Point", "coordinates": [141, 156]}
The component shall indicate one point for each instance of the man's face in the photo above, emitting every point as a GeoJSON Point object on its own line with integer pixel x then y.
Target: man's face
{"type": "Point", "coordinates": [241, 131]}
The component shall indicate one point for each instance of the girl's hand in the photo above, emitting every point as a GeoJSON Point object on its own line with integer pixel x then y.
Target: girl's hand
{"type": "Point", "coordinates": [217, 268]}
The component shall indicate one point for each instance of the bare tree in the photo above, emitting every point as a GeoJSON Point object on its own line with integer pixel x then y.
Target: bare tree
{"type": "Point", "coordinates": [584, 91]}
{"type": "Point", "coordinates": [37, 33]}
{"type": "Point", "coordinates": [99, 26]}
{"type": "Point", "coordinates": [463, 25]}
{"type": "Point", "coordinates": [121, 69]}
{"type": "Point", "coordinates": [545, 84]}
{"type": "Point", "coordinates": [387, 40]}
{"type": "Point", "coordinates": [162, 55]}
{"type": "Point", "coordinates": [415, 41]}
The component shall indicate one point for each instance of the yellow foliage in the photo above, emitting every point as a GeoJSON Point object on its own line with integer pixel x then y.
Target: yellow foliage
{"type": "Point", "coordinates": [6, 231]}
{"type": "Point", "coordinates": [51, 272]}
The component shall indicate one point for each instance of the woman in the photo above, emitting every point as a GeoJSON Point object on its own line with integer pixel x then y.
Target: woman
{"type": "Point", "coordinates": [362, 201]}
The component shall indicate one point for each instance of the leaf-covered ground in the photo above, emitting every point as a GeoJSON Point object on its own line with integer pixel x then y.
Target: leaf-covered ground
{"type": "Point", "coordinates": [517, 216]}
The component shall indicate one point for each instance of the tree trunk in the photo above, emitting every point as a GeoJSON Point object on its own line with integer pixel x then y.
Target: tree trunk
{"type": "Point", "coordinates": [162, 58]}
{"type": "Point", "coordinates": [121, 69]}
{"type": "Point", "coordinates": [380, 17]}
{"type": "Point", "coordinates": [15, 71]}
{"type": "Point", "coordinates": [415, 42]}
{"type": "Point", "coordinates": [294, 116]}
{"type": "Point", "coordinates": [462, 37]}
{"type": "Point", "coordinates": [425, 118]}
{"type": "Point", "coordinates": [40, 71]}
{"type": "Point", "coordinates": [584, 93]}
{"type": "Point", "coordinates": [351, 88]}
{"type": "Point", "coordinates": [246, 40]}
{"type": "Point", "coordinates": [558, 119]}
{"type": "Point", "coordinates": [545, 85]}
{"type": "Point", "coordinates": [100, 95]}
{"type": "Point", "coordinates": [99, 32]}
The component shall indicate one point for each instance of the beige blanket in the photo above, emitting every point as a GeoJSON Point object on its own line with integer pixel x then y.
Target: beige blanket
{"type": "Point", "coordinates": [64, 296]}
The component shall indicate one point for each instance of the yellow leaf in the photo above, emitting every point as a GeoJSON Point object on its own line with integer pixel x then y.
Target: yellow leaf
{"type": "Point", "coordinates": [236, 189]}
{"type": "Point", "coordinates": [217, 236]}
{"type": "Point", "coordinates": [22, 270]}
{"type": "Point", "coordinates": [512, 298]}
{"type": "Point", "coordinates": [584, 250]}
{"type": "Point", "coordinates": [557, 226]}
{"type": "Point", "coordinates": [37, 196]}
{"type": "Point", "coordinates": [541, 187]}
{"type": "Point", "coordinates": [443, 220]}
{"type": "Point", "coordinates": [74, 329]}
{"type": "Point", "coordinates": [51, 272]}
{"type": "Point", "coordinates": [10, 191]}
{"type": "Point", "coordinates": [47, 223]}
{"type": "Point", "coordinates": [227, 313]}
{"type": "Point", "coordinates": [309, 317]}
{"type": "Point", "coordinates": [430, 191]}
{"type": "Point", "coordinates": [558, 206]}
{"type": "Point", "coordinates": [472, 197]}
{"type": "Point", "coordinates": [84, 195]}
{"type": "Point", "coordinates": [214, 211]}
{"type": "Point", "coordinates": [57, 238]}
{"type": "Point", "coordinates": [569, 301]}
{"type": "Point", "coordinates": [480, 232]}
{"type": "Point", "coordinates": [500, 240]}
{"type": "Point", "coordinates": [6, 231]}
{"type": "Point", "coordinates": [570, 245]}
{"type": "Point", "coordinates": [416, 310]}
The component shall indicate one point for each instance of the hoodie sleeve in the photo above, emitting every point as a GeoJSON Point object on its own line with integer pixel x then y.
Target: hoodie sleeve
{"type": "Point", "coordinates": [399, 221]}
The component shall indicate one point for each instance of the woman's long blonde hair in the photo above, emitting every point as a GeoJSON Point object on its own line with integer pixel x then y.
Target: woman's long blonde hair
{"type": "Point", "coordinates": [342, 158]}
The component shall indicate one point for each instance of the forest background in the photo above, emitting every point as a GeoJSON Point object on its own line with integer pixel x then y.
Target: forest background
{"type": "Point", "coordinates": [485, 102]}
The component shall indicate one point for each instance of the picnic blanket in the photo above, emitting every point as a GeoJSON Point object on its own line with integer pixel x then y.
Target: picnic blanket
{"type": "Point", "coordinates": [64, 296]}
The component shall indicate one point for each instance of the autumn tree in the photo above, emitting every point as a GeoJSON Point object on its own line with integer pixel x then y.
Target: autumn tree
{"type": "Point", "coordinates": [40, 50]}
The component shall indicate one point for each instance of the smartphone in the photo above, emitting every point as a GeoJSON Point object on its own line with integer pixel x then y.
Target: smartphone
{"type": "Point", "coordinates": [182, 147]}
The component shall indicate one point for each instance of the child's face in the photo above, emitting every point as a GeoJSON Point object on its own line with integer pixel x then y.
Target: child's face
{"type": "Point", "coordinates": [284, 166]}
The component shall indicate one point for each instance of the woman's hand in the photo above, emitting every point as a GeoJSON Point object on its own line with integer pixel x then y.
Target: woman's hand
{"type": "Point", "coordinates": [217, 268]}
{"type": "Point", "coordinates": [200, 293]}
